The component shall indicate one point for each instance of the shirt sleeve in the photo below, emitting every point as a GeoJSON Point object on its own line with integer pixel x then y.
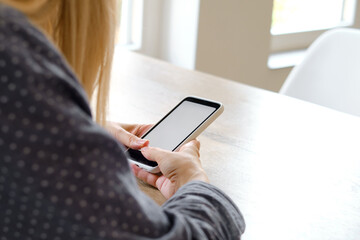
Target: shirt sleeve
{"type": "Point", "coordinates": [64, 177]}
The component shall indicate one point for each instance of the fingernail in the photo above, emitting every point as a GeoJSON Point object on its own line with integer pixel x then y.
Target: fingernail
{"type": "Point", "coordinates": [144, 149]}
{"type": "Point", "coordinates": [141, 142]}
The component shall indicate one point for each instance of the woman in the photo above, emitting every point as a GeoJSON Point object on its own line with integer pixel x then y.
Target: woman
{"type": "Point", "coordinates": [62, 175]}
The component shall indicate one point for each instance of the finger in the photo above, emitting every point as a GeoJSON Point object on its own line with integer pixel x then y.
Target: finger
{"type": "Point", "coordinates": [128, 127]}
{"type": "Point", "coordinates": [145, 176]}
{"type": "Point", "coordinates": [129, 139]}
{"type": "Point", "coordinates": [137, 129]}
{"type": "Point", "coordinates": [165, 186]}
{"type": "Point", "coordinates": [154, 154]}
{"type": "Point", "coordinates": [142, 129]}
{"type": "Point", "coordinates": [193, 147]}
{"type": "Point", "coordinates": [195, 144]}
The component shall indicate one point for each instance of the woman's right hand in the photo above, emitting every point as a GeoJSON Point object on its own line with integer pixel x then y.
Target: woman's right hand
{"type": "Point", "coordinates": [177, 168]}
{"type": "Point", "coordinates": [129, 134]}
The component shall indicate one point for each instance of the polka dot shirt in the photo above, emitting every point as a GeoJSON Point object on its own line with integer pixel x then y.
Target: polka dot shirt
{"type": "Point", "coordinates": [64, 177]}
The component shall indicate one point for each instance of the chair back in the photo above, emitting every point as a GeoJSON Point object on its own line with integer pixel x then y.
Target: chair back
{"type": "Point", "coordinates": [329, 75]}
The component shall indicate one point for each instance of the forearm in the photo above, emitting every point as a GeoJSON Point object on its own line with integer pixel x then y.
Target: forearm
{"type": "Point", "coordinates": [206, 212]}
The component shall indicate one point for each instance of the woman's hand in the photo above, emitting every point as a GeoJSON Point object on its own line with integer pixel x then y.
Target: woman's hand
{"type": "Point", "coordinates": [129, 134]}
{"type": "Point", "coordinates": [178, 168]}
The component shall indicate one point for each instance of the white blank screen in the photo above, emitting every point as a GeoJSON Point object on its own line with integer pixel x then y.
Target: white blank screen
{"type": "Point", "coordinates": [178, 125]}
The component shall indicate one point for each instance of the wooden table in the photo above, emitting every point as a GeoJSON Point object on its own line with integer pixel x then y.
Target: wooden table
{"type": "Point", "coordinates": [292, 167]}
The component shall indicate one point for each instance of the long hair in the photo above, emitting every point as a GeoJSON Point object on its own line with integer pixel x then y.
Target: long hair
{"type": "Point", "coordinates": [84, 31]}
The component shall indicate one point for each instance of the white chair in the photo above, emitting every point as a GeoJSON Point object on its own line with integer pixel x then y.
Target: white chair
{"type": "Point", "coordinates": [329, 75]}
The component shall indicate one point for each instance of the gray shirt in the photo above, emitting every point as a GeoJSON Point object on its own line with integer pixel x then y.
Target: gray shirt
{"type": "Point", "coordinates": [62, 176]}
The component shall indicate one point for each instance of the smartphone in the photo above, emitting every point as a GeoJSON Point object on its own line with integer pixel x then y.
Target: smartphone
{"type": "Point", "coordinates": [182, 124]}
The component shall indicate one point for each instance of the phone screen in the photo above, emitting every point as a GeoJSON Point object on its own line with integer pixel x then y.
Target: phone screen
{"type": "Point", "coordinates": [176, 126]}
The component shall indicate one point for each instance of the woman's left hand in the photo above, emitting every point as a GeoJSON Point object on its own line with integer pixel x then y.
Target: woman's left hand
{"type": "Point", "coordinates": [178, 168]}
{"type": "Point", "coordinates": [129, 134]}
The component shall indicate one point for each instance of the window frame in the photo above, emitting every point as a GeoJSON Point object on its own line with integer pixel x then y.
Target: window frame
{"type": "Point", "coordinates": [133, 11]}
{"type": "Point", "coordinates": [302, 40]}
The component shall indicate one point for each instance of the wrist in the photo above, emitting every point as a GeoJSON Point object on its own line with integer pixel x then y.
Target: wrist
{"type": "Point", "coordinates": [198, 175]}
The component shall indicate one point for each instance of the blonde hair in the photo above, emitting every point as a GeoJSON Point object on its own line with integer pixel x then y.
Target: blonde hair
{"type": "Point", "coordinates": [84, 31]}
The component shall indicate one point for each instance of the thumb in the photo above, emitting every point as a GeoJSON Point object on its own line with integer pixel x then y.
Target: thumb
{"type": "Point", "coordinates": [154, 154]}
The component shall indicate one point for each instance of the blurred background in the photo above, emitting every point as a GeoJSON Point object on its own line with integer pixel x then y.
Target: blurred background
{"type": "Point", "coordinates": [252, 42]}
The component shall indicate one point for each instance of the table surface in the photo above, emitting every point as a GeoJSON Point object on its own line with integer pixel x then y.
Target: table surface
{"type": "Point", "coordinates": [292, 167]}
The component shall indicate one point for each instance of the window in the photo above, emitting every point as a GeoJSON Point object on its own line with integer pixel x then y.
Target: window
{"type": "Point", "coordinates": [130, 24]}
{"type": "Point", "coordinates": [291, 16]}
{"type": "Point", "coordinates": [297, 23]}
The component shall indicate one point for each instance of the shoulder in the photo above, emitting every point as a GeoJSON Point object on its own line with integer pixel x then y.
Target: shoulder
{"type": "Point", "coordinates": [8, 13]}
{"type": "Point", "coordinates": [13, 22]}
{"type": "Point", "coordinates": [29, 60]}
